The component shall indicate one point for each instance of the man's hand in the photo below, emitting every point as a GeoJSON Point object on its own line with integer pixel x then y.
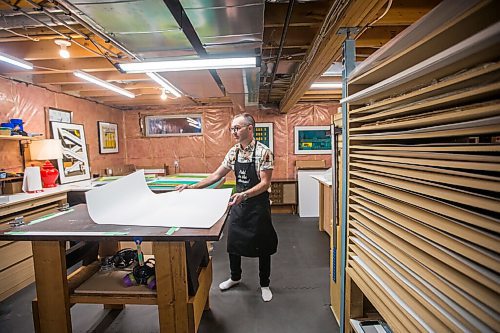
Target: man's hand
{"type": "Point", "coordinates": [237, 198]}
{"type": "Point", "coordinates": [182, 187]}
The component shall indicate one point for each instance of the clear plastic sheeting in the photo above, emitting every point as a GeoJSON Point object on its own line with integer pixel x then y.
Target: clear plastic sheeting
{"type": "Point", "coordinates": [30, 103]}
{"type": "Point", "coordinates": [205, 153]}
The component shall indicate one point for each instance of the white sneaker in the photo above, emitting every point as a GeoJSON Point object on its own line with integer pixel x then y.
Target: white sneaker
{"type": "Point", "coordinates": [228, 284]}
{"type": "Point", "coordinates": [267, 295]}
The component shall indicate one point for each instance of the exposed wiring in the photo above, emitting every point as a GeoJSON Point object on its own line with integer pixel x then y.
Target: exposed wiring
{"type": "Point", "coordinates": [21, 35]}
{"type": "Point", "coordinates": [389, 4]}
{"type": "Point", "coordinates": [362, 30]}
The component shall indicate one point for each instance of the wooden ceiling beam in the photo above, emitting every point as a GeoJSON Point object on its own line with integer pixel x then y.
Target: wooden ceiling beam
{"type": "Point", "coordinates": [324, 92]}
{"type": "Point", "coordinates": [82, 86]}
{"type": "Point", "coordinates": [119, 98]}
{"type": "Point", "coordinates": [302, 47]}
{"type": "Point", "coordinates": [406, 12]}
{"type": "Point", "coordinates": [310, 12]}
{"type": "Point", "coordinates": [357, 13]}
{"type": "Point", "coordinates": [66, 78]}
{"type": "Point", "coordinates": [375, 37]}
{"type": "Point", "coordinates": [295, 25]}
{"type": "Point", "coordinates": [105, 92]}
{"type": "Point", "coordinates": [321, 98]}
{"type": "Point", "coordinates": [47, 49]}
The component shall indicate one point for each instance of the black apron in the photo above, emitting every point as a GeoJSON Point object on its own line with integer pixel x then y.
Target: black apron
{"type": "Point", "coordinates": [251, 232]}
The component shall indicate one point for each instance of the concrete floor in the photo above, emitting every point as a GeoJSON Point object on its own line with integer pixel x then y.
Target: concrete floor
{"type": "Point", "coordinates": [299, 281]}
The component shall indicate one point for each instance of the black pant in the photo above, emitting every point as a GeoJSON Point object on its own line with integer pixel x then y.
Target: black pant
{"type": "Point", "coordinates": [264, 268]}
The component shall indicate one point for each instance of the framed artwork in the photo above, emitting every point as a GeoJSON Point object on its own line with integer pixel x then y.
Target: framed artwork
{"type": "Point", "coordinates": [313, 140]}
{"type": "Point", "coordinates": [61, 116]}
{"type": "Point", "coordinates": [263, 132]}
{"type": "Point", "coordinates": [108, 137]}
{"type": "Point", "coordinates": [175, 125]}
{"type": "Point", "coordinates": [74, 166]}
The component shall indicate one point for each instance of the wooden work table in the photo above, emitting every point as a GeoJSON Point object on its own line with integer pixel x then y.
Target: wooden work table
{"type": "Point", "coordinates": [178, 312]}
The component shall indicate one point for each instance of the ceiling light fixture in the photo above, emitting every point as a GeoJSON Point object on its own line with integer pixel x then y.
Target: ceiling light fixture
{"type": "Point", "coordinates": [326, 85]}
{"type": "Point", "coordinates": [64, 44]}
{"type": "Point", "coordinates": [103, 83]}
{"type": "Point", "coordinates": [163, 95]}
{"type": "Point", "coordinates": [15, 61]}
{"type": "Point", "coordinates": [188, 65]}
{"type": "Point", "coordinates": [165, 84]}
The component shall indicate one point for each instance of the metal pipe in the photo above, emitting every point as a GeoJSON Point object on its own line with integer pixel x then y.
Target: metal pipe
{"type": "Point", "coordinates": [282, 42]}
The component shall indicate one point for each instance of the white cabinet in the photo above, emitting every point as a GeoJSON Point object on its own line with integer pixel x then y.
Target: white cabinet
{"type": "Point", "coordinates": [309, 192]}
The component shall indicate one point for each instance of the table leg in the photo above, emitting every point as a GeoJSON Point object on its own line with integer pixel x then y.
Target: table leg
{"type": "Point", "coordinates": [172, 287]}
{"type": "Point", "coordinates": [52, 286]}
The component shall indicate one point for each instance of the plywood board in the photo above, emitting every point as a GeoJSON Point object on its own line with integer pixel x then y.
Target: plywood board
{"type": "Point", "coordinates": [432, 316]}
{"type": "Point", "coordinates": [449, 228]}
{"type": "Point", "coordinates": [436, 170]}
{"type": "Point", "coordinates": [472, 147]}
{"type": "Point", "coordinates": [434, 294]}
{"type": "Point", "coordinates": [470, 304]}
{"type": "Point", "coordinates": [434, 102]}
{"type": "Point", "coordinates": [445, 83]}
{"type": "Point", "coordinates": [459, 263]}
{"type": "Point", "coordinates": [433, 205]}
{"type": "Point", "coordinates": [434, 156]}
{"type": "Point", "coordinates": [484, 257]}
{"type": "Point", "coordinates": [462, 132]}
{"type": "Point", "coordinates": [111, 283]}
{"type": "Point", "coordinates": [433, 118]}
{"type": "Point", "coordinates": [480, 184]}
{"type": "Point", "coordinates": [457, 278]}
{"type": "Point", "coordinates": [434, 190]}
{"type": "Point", "coordinates": [14, 253]}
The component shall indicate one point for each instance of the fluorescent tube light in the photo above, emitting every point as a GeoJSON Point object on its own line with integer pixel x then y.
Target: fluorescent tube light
{"type": "Point", "coordinates": [103, 83]}
{"type": "Point", "coordinates": [188, 65]}
{"type": "Point", "coordinates": [164, 83]}
{"type": "Point", "coordinates": [192, 121]}
{"type": "Point", "coordinates": [326, 85]}
{"type": "Point", "coordinates": [15, 61]}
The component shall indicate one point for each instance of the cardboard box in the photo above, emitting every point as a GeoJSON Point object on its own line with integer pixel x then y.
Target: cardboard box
{"type": "Point", "coordinates": [309, 164]}
{"type": "Point", "coordinates": [13, 187]}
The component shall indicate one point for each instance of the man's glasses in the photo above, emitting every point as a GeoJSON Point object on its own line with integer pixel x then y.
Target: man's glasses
{"type": "Point", "coordinates": [236, 128]}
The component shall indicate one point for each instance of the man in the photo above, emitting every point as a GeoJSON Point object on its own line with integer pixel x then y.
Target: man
{"type": "Point", "coordinates": [251, 233]}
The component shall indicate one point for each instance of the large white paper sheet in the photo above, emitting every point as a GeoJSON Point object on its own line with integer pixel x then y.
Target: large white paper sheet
{"type": "Point", "coordinates": [129, 201]}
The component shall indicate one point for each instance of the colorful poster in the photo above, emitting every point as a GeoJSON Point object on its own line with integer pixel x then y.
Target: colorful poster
{"type": "Point", "coordinates": [313, 140]}
{"type": "Point", "coordinates": [263, 132]}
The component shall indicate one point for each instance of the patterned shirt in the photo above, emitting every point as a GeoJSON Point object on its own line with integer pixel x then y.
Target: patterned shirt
{"type": "Point", "coordinates": [264, 159]}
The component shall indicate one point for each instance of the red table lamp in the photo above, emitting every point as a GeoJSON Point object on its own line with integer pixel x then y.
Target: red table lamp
{"type": "Point", "coordinates": [48, 149]}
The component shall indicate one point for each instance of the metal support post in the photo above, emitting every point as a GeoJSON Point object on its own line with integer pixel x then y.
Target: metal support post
{"type": "Point", "coordinates": [349, 64]}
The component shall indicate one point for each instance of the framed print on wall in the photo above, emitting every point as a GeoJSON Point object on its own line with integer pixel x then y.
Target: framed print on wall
{"type": "Point", "coordinates": [263, 132]}
{"type": "Point", "coordinates": [174, 125]}
{"type": "Point", "coordinates": [74, 166]}
{"type": "Point", "coordinates": [312, 140]}
{"type": "Point", "coordinates": [108, 137]}
{"type": "Point", "coordinates": [58, 115]}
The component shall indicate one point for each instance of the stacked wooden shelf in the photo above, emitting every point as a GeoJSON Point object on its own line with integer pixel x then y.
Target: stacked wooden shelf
{"type": "Point", "coordinates": [16, 259]}
{"type": "Point", "coordinates": [424, 176]}
{"type": "Point", "coordinates": [283, 196]}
